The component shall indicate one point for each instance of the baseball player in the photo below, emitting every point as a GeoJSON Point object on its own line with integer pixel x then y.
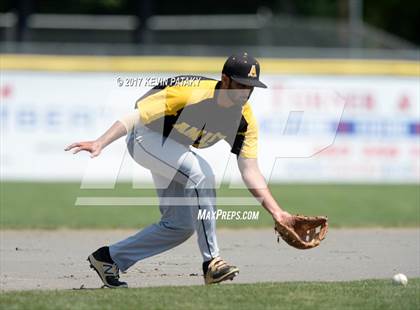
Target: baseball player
{"type": "Point", "coordinates": [168, 123]}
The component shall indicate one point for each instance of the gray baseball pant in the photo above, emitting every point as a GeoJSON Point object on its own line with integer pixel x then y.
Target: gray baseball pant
{"type": "Point", "coordinates": [185, 183]}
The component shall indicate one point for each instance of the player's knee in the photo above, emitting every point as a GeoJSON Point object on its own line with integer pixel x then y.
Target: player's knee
{"type": "Point", "coordinates": [188, 228]}
{"type": "Point", "coordinates": [206, 181]}
{"type": "Point", "coordinates": [184, 228]}
{"type": "Point", "coordinates": [185, 231]}
{"type": "Point", "coordinates": [188, 231]}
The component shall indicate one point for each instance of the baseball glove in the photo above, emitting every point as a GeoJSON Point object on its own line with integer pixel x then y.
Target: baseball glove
{"type": "Point", "coordinates": [306, 232]}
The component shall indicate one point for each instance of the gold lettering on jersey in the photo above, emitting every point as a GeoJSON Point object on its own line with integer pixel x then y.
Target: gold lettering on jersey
{"type": "Point", "coordinates": [207, 138]}
{"type": "Point", "coordinates": [181, 127]}
{"type": "Point", "coordinates": [216, 137]}
{"type": "Point", "coordinates": [253, 72]}
{"type": "Point", "coordinates": [192, 133]}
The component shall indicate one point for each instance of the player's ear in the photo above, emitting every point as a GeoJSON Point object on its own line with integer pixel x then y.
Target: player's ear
{"type": "Point", "coordinates": [225, 81]}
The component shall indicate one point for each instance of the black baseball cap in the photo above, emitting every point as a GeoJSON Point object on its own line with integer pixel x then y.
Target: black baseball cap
{"type": "Point", "coordinates": [244, 69]}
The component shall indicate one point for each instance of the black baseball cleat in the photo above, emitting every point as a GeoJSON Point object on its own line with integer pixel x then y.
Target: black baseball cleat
{"type": "Point", "coordinates": [218, 270]}
{"type": "Point", "coordinates": [107, 270]}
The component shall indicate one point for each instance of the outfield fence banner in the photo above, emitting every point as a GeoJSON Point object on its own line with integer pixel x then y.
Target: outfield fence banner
{"type": "Point", "coordinates": [312, 127]}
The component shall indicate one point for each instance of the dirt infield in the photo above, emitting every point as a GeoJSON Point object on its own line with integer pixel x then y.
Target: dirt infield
{"type": "Point", "coordinates": [56, 259]}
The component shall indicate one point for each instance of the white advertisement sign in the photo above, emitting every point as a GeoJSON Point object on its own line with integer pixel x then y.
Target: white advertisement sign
{"type": "Point", "coordinates": [311, 128]}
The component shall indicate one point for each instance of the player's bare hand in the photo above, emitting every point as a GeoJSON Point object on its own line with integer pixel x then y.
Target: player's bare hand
{"type": "Point", "coordinates": [93, 147]}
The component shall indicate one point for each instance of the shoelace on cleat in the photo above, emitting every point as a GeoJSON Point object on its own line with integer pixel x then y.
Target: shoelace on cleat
{"type": "Point", "coordinates": [218, 263]}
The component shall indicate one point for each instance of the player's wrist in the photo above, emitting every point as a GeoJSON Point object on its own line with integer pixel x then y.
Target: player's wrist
{"type": "Point", "coordinates": [277, 214]}
{"type": "Point", "coordinates": [99, 144]}
{"type": "Point", "coordinates": [281, 216]}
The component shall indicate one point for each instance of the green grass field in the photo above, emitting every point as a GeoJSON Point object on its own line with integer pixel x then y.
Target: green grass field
{"type": "Point", "coordinates": [51, 205]}
{"type": "Point", "coordinates": [371, 294]}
